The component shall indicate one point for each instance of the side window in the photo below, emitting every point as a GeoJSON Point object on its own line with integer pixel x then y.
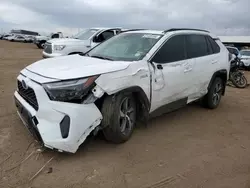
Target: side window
{"type": "Point", "coordinates": [173, 50]}
{"type": "Point", "coordinates": [54, 36]}
{"type": "Point", "coordinates": [107, 34]}
{"type": "Point", "coordinates": [209, 47]}
{"type": "Point", "coordinates": [215, 46]}
{"type": "Point", "coordinates": [196, 46]}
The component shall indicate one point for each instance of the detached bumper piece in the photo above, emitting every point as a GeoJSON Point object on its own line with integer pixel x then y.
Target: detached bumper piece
{"type": "Point", "coordinates": [29, 121]}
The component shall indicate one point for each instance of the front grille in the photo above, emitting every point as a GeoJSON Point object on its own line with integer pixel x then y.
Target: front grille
{"type": "Point", "coordinates": [48, 48]}
{"type": "Point", "coordinates": [28, 95]}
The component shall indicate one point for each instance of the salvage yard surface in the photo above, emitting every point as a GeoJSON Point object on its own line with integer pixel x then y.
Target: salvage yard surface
{"type": "Point", "coordinates": [192, 147]}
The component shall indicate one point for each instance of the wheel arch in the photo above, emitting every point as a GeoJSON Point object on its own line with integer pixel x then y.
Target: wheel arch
{"type": "Point", "coordinates": [142, 101]}
{"type": "Point", "coordinates": [221, 74]}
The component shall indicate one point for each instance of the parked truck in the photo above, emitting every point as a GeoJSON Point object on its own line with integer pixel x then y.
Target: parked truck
{"type": "Point", "coordinates": [80, 43]}
{"type": "Point", "coordinates": [41, 40]}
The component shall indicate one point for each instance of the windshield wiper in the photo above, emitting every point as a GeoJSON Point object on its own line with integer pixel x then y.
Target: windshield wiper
{"type": "Point", "coordinates": [100, 57]}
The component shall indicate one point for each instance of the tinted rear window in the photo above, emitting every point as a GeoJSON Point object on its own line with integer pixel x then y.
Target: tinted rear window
{"type": "Point", "coordinates": [196, 46]}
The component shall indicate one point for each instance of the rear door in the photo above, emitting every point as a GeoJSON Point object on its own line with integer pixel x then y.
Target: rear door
{"type": "Point", "coordinates": [200, 50]}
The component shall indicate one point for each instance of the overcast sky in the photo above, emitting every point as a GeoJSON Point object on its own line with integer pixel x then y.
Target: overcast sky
{"type": "Point", "coordinates": [223, 17]}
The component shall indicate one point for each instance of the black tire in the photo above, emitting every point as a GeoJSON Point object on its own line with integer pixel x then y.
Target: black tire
{"type": "Point", "coordinates": [41, 45]}
{"type": "Point", "coordinates": [117, 128]}
{"type": "Point", "coordinates": [242, 83]}
{"type": "Point", "coordinates": [213, 97]}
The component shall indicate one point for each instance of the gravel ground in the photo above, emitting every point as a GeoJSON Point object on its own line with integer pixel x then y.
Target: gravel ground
{"type": "Point", "coordinates": [192, 147]}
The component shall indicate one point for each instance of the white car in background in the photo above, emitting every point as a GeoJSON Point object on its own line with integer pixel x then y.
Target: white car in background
{"type": "Point", "coordinates": [80, 43]}
{"type": "Point", "coordinates": [130, 77]}
{"type": "Point", "coordinates": [245, 58]}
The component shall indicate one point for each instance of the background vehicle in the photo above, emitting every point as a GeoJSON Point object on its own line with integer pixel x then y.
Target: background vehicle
{"type": "Point", "coordinates": [24, 32]}
{"type": "Point", "coordinates": [41, 40]}
{"type": "Point", "coordinates": [245, 58]}
{"type": "Point", "coordinates": [29, 38]}
{"type": "Point", "coordinates": [80, 43]}
{"type": "Point", "coordinates": [128, 78]}
{"type": "Point", "coordinates": [234, 50]}
{"type": "Point", "coordinates": [5, 37]}
{"type": "Point", "coordinates": [236, 76]}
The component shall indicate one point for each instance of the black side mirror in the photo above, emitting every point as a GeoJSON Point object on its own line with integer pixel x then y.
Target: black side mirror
{"type": "Point", "coordinates": [96, 39]}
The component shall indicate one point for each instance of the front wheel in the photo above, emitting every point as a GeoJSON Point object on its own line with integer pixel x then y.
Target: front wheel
{"type": "Point", "coordinates": [41, 45]}
{"type": "Point", "coordinates": [119, 117]}
{"type": "Point", "coordinates": [239, 80]}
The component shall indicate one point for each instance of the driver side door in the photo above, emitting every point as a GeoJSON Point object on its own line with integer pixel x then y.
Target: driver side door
{"type": "Point", "coordinates": [171, 75]}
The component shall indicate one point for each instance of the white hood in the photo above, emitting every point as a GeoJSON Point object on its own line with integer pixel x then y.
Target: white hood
{"type": "Point", "coordinates": [66, 41]}
{"type": "Point", "coordinates": [74, 66]}
{"type": "Point", "coordinates": [41, 37]}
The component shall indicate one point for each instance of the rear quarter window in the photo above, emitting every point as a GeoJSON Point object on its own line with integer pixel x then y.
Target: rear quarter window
{"type": "Point", "coordinates": [215, 46]}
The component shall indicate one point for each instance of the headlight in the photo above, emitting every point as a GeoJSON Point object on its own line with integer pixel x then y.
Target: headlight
{"type": "Point", "coordinates": [69, 91]}
{"type": "Point", "coordinates": [58, 47]}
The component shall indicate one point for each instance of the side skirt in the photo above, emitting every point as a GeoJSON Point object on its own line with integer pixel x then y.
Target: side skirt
{"type": "Point", "coordinates": [170, 107]}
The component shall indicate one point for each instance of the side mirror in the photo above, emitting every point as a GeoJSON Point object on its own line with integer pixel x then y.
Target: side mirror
{"type": "Point", "coordinates": [96, 39]}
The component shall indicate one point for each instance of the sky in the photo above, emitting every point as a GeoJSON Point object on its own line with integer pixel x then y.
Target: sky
{"type": "Point", "coordinates": [222, 17]}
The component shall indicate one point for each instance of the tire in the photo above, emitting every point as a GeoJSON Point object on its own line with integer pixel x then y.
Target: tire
{"type": "Point", "coordinates": [213, 97]}
{"type": "Point", "coordinates": [41, 44]}
{"type": "Point", "coordinates": [242, 83]}
{"type": "Point", "coordinates": [116, 117]}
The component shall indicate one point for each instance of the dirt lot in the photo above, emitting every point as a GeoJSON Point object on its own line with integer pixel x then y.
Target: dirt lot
{"type": "Point", "coordinates": [192, 147]}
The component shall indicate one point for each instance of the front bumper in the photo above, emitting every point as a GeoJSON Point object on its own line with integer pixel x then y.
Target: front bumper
{"type": "Point", "coordinates": [246, 62]}
{"type": "Point", "coordinates": [46, 55]}
{"type": "Point", "coordinates": [45, 124]}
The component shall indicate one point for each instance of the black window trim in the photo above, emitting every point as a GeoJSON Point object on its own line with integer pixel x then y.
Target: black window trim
{"type": "Point", "coordinates": [186, 34]}
{"type": "Point", "coordinates": [156, 51]}
{"type": "Point", "coordinates": [205, 35]}
{"type": "Point", "coordinates": [214, 39]}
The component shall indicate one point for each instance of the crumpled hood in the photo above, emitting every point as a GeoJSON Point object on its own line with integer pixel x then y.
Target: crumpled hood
{"type": "Point", "coordinates": [74, 66]}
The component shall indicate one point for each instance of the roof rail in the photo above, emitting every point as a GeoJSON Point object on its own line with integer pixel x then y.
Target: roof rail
{"type": "Point", "coordinates": [179, 29]}
{"type": "Point", "coordinates": [126, 30]}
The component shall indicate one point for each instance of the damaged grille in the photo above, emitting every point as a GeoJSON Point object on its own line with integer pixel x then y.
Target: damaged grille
{"type": "Point", "coordinates": [48, 48]}
{"type": "Point", "coordinates": [28, 95]}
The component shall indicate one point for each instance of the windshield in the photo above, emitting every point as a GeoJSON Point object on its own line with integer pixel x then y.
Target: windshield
{"type": "Point", "coordinates": [244, 52]}
{"type": "Point", "coordinates": [126, 46]}
{"type": "Point", "coordinates": [85, 35]}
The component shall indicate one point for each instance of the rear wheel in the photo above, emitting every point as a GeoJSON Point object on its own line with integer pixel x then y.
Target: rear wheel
{"type": "Point", "coordinates": [119, 117]}
{"type": "Point", "coordinates": [213, 97]}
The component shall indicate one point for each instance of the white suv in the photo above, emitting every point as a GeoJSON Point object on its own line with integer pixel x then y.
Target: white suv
{"type": "Point", "coordinates": [81, 43]}
{"type": "Point", "coordinates": [130, 77]}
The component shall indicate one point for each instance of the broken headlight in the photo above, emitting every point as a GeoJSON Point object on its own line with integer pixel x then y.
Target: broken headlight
{"type": "Point", "coordinates": [71, 90]}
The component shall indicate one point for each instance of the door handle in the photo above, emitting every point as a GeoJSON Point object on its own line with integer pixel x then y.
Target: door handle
{"type": "Point", "coordinates": [187, 70]}
{"type": "Point", "coordinates": [214, 61]}
{"type": "Point", "coordinates": [159, 66]}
